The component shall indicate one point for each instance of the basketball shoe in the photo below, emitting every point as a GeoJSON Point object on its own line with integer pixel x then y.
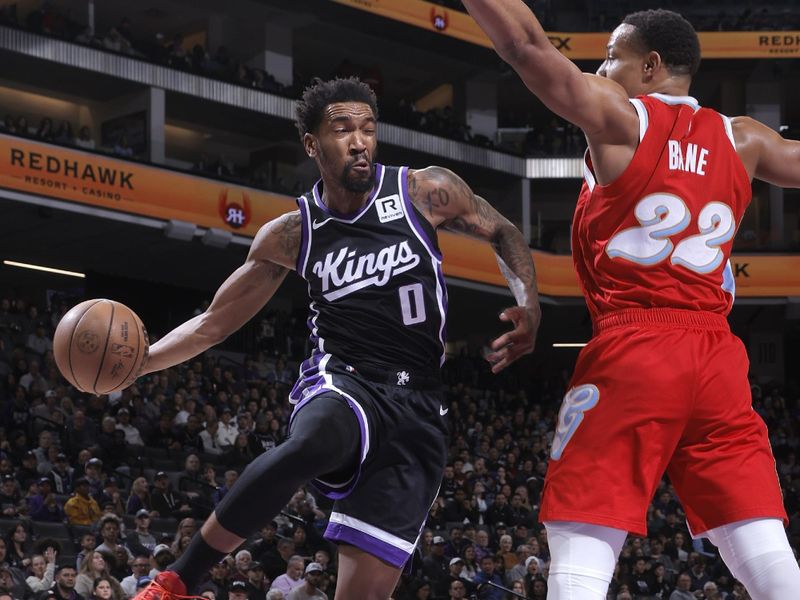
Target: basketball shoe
{"type": "Point", "coordinates": [167, 585]}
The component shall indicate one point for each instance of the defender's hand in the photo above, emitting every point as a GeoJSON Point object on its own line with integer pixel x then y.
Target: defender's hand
{"type": "Point", "coordinates": [517, 342]}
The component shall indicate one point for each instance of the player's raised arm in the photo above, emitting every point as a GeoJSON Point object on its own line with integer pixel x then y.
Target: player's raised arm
{"type": "Point", "coordinates": [447, 201]}
{"type": "Point", "coordinates": [595, 104]}
{"type": "Point", "coordinates": [765, 154]}
{"type": "Point", "coordinates": [238, 299]}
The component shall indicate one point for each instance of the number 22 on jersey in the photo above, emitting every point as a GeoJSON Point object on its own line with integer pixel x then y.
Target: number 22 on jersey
{"type": "Point", "coordinates": [660, 217]}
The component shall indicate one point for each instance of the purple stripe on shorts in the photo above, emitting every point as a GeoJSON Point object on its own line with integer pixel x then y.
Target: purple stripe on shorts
{"type": "Point", "coordinates": [386, 552]}
{"type": "Point", "coordinates": [412, 214]}
{"type": "Point", "coordinates": [307, 395]}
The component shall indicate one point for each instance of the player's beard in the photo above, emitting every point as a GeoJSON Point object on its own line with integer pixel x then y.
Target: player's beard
{"type": "Point", "coordinates": [358, 184]}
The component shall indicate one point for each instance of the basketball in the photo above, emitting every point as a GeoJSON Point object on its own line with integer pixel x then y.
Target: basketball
{"type": "Point", "coordinates": [100, 346]}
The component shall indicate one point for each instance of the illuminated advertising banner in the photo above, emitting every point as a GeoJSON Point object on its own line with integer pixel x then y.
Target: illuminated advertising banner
{"type": "Point", "coordinates": [106, 182]}
{"type": "Point", "coordinates": [577, 46]}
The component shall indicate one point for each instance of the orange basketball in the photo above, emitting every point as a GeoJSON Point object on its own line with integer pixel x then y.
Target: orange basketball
{"type": "Point", "coordinates": [100, 346]}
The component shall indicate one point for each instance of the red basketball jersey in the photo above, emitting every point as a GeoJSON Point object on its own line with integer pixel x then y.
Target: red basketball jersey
{"type": "Point", "coordinates": [660, 235]}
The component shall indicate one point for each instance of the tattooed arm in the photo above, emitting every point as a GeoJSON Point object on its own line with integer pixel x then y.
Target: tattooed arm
{"type": "Point", "coordinates": [273, 252]}
{"type": "Point", "coordinates": [447, 201]}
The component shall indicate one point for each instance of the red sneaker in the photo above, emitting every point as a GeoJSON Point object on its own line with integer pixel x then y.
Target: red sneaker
{"type": "Point", "coordinates": [167, 585]}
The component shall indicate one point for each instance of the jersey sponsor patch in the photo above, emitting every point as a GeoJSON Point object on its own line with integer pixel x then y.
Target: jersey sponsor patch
{"type": "Point", "coordinates": [390, 208]}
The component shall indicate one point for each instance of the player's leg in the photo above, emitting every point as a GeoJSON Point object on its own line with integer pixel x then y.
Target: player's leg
{"type": "Point", "coordinates": [325, 438]}
{"type": "Point", "coordinates": [758, 554]}
{"type": "Point", "coordinates": [364, 576]}
{"type": "Point", "coordinates": [582, 559]}
{"type": "Point", "coordinates": [724, 473]}
{"type": "Point", "coordinates": [379, 523]}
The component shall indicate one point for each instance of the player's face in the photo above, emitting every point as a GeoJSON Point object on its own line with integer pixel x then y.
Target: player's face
{"type": "Point", "coordinates": [625, 63]}
{"type": "Point", "coordinates": [345, 145]}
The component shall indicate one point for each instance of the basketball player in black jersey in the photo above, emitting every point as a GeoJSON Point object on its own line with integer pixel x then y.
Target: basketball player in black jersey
{"type": "Point", "coordinates": [369, 424]}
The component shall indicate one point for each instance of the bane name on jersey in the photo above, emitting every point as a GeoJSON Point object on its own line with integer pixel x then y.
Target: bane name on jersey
{"type": "Point", "coordinates": [378, 296]}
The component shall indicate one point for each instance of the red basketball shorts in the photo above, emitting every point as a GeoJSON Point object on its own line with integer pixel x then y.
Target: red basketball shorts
{"type": "Point", "coordinates": [660, 390]}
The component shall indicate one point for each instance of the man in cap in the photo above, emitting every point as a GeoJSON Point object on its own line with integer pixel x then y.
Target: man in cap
{"type": "Point", "coordinates": [166, 502]}
{"type": "Point", "coordinates": [43, 506]}
{"type": "Point", "coordinates": [94, 475]}
{"type": "Point", "coordinates": [257, 584]}
{"type": "Point", "coordinates": [237, 590]}
{"type": "Point", "coordinates": [140, 540]}
{"type": "Point", "coordinates": [81, 508]}
{"type": "Point", "coordinates": [61, 475]}
{"type": "Point", "coordinates": [132, 435]}
{"type": "Point", "coordinates": [455, 566]}
{"type": "Point", "coordinates": [309, 590]}
{"type": "Point", "coordinates": [29, 470]}
{"type": "Point", "coordinates": [434, 566]}
{"type": "Point", "coordinates": [162, 556]}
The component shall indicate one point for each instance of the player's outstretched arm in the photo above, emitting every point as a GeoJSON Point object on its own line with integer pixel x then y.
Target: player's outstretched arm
{"type": "Point", "coordinates": [447, 201]}
{"type": "Point", "coordinates": [765, 154]}
{"type": "Point", "coordinates": [238, 299]}
{"type": "Point", "coordinates": [597, 105]}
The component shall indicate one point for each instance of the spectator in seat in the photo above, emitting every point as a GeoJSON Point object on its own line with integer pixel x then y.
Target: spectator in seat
{"type": "Point", "coordinates": [43, 570]}
{"type": "Point", "coordinates": [229, 479]}
{"type": "Point", "coordinates": [487, 574]}
{"type": "Point", "coordinates": [162, 557]}
{"type": "Point", "coordinates": [38, 342]}
{"type": "Point", "coordinates": [61, 475]}
{"type": "Point", "coordinates": [133, 436]}
{"type": "Point", "coordinates": [190, 481]}
{"type": "Point", "coordinates": [165, 502]}
{"type": "Point", "coordinates": [140, 567]}
{"type": "Point", "coordinates": [45, 131]}
{"type": "Point", "coordinates": [110, 495]}
{"type": "Point", "coordinates": [109, 531]}
{"type": "Point", "coordinates": [94, 567]}
{"type": "Point", "coordinates": [434, 566]}
{"type": "Point", "coordinates": [10, 498]}
{"type": "Point", "coordinates": [257, 584]}
{"type": "Point", "coordinates": [123, 148]}
{"type": "Point", "coordinates": [81, 508]}
{"type": "Point", "coordinates": [682, 588]}
{"type": "Point", "coordinates": [292, 578]}
{"type": "Point", "coordinates": [102, 589]}
{"type": "Point", "coordinates": [140, 540]}
{"type": "Point", "coordinates": [237, 590]}
{"type": "Point", "coordinates": [65, 583]}
{"type": "Point", "coordinates": [208, 438]}
{"type": "Point", "coordinates": [17, 554]}
{"type": "Point", "coordinates": [87, 543]}
{"type": "Point", "coordinates": [140, 497]}
{"type": "Point", "coordinates": [228, 431]}
{"type": "Point", "coordinates": [85, 139]}
{"type": "Point", "coordinates": [64, 134]}
{"type": "Point", "coordinates": [309, 589]}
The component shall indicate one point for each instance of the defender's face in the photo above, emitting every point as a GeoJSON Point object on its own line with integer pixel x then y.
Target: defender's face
{"type": "Point", "coordinates": [625, 63]}
{"type": "Point", "coordinates": [345, 145]}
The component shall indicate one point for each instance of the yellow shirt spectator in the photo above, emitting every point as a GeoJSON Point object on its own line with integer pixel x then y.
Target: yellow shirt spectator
{"type": "Point", "coordinates": [82, 509]}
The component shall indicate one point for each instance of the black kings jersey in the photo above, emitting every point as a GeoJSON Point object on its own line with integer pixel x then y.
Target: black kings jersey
{"type": "Point", "coordinates": [378, 296]}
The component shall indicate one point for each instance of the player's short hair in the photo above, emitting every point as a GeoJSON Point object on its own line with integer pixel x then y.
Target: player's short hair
{"type": "Point", "coordinates": [309, 109]}
{"type": "Point", "coordinates": [669, 34]}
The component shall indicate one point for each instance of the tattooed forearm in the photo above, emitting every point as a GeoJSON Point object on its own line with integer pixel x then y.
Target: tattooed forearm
{"type": "Point", "coordinates": [516, 263]}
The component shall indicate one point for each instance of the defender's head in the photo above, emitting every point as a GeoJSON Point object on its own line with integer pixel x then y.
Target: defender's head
{"type": "Point", "coordinates": [650, 48]}
{"type": "Point", "coordinates": [337, 121]}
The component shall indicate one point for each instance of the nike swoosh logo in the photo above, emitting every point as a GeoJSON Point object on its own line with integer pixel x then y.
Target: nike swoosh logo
{"type": "Point", "coordinates": [443, 411]}
{"type": "Point", "coordinates": [316, 225]}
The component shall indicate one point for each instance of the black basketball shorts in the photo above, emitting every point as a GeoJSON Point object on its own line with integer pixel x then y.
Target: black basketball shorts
{"type": "Point", "coordinates": [383, 506]}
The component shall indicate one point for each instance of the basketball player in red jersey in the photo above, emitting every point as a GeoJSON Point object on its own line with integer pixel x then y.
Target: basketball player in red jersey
{"type": "Point", "coordinates": [663, 383]}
